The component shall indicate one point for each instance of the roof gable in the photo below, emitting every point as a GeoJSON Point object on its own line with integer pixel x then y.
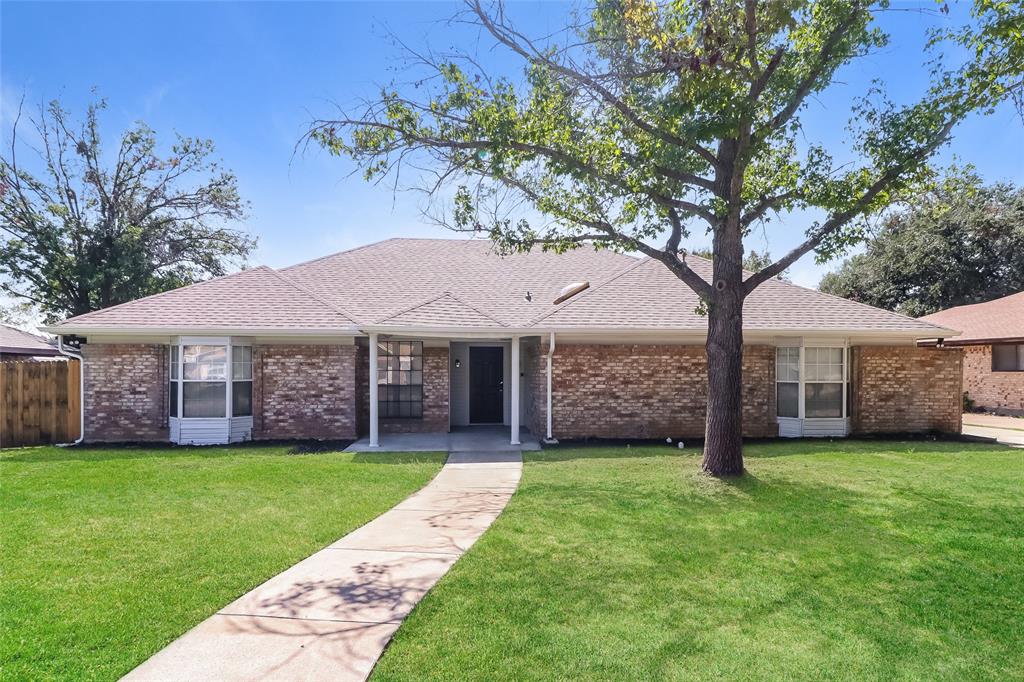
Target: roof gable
{"type": "Point", "coordinates": [445, 310]}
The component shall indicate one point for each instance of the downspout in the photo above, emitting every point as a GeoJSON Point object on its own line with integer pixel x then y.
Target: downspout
{"type": "Point", "coordinates": [81, 391]}
{"type": "Point", "coordinates": [551, 351]}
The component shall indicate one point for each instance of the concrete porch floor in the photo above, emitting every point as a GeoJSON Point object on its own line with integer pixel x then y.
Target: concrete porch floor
{"type": "Point", "coordinates": [460, 439]}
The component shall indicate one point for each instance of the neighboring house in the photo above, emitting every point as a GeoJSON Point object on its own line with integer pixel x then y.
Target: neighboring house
{"type": "Point", "coordinates": [427, 335]}
{"type": "Point", "coordinates": [17, 344]}
{"type": "Point", "coordinates": [993, 344]}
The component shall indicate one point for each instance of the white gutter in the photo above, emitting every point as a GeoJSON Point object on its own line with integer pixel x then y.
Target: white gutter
{"type": "Point", "coordinates": [551, 352]}
{"type": "Point", "coordinates": [81, 391]}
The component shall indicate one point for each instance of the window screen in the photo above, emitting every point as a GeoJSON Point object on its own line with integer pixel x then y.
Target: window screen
{"type": "Point", "coordinates": [400, 379]}
{"type": "Point", "coordinates": [241, 381]}
{"type": "Point", "coordinates": [823, 382]}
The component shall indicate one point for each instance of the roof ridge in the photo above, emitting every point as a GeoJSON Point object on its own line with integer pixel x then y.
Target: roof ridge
{"type": "Point", "coordinates": [588, 292]}
{"type": "Point", "coordinates": [339, 253]}
{"type": "Point", "coordinates": [971, 305]}
{"type": "Point", "coordinates": [438, 297]}
{"type": "Point", "coordinates": [93, 313]}
{"type": "Point", "coordinates": [338, 309]}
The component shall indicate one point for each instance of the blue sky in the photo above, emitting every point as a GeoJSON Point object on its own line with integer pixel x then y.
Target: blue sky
{"type": "Point", "coordinates": [250, 76]}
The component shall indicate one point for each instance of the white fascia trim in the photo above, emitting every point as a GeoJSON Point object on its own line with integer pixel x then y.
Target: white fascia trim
{"type": "Point", "coordinates": [194, 331]}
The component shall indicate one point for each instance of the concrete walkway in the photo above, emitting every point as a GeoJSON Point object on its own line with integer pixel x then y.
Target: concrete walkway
{"type": "Point", "coordinates": [330, 616]}
{"type": "Point", "coordinates": [1006, 430]}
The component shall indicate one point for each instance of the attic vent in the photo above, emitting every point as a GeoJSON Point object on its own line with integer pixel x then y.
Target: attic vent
{"type": "Point", "coordinates": [571, 290]}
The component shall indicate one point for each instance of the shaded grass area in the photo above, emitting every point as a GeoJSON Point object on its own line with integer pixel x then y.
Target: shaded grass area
{"type": "Point", "coordinates": [109, 554]}
{"type": "Point", "coordinates": [845, 560]}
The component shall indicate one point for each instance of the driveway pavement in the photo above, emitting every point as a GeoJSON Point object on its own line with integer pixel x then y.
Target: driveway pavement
{"type": "Point", "coordinates": [1006, 430]}
{"type": "Point", "coordinates": [330, 616]}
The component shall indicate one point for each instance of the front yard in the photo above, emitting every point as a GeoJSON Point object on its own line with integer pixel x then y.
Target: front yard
{"type": "Point", "coordinates": [109, 554]}
{"type": "Point", "coordinates": [846, 560]}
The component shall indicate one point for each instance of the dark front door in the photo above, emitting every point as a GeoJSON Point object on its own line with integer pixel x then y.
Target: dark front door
{"type": "Point", "coordinates": [485, 385]}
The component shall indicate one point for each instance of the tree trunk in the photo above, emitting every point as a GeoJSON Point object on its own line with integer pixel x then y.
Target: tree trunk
{"type": "Point", "coordinates": [723, 433]}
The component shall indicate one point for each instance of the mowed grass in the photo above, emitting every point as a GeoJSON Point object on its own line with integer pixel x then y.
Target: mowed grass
{"type": "Point", "coordinates": [828, 561]}
{"type": "Point", "coordinates": [107, 555]}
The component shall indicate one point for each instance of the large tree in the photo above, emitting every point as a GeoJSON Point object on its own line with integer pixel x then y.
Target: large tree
{"type": "Point", "coordinates": [645, 120]}
{"type": "Point", "coordinates": [961, 243]}
{"type": "Point", "coordinates": [83, 229]}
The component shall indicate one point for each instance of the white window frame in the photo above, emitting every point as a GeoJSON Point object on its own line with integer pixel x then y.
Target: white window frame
{"type": "Point", "coordinates": [802, 395]}
{"type": "Point", "coordinates": [798, 382]}
{"type": "Point", "coordinates": [229, 343]}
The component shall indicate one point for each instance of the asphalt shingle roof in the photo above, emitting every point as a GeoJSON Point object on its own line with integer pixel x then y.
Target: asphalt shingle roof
{"type": "Point", "coordinates": [17, 341]}
{"type": "Point", "coordinates": [1002, 318]}
{"type": "Point", "coordinates": [446, 283]}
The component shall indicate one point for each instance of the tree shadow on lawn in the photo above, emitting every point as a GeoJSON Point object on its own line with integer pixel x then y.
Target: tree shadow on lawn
{"type": "Point", "coordinates": [909, 573]}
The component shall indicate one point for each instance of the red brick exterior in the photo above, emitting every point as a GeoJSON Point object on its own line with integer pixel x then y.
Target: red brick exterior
{"type": "Point", "coordinates": [645, 391]}
{"type": "Point", "coordinates": [533, 359]}
{"type": "Point", "coordinates": [988, 389]}
{"type": "Point", "coordinates": [899, 389]}
{"type": "Point", "coordinates": [304, 391]}
{"type": "Point", "coordinates": [125, 392]}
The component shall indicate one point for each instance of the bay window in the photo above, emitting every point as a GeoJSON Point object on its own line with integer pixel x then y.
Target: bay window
{"type": "Point", "coordinates": [210, 380]}
{"type": "Point", "coordinates": [810, 382]}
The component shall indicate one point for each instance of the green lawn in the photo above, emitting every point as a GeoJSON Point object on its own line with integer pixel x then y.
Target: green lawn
{"type": "Point", "coordinates": [847, 560]}
{"type": "Point", "coordinates": [109, 554]}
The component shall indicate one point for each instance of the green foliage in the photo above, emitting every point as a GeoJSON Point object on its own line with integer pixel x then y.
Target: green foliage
{"type": "Point", "coordinates": [655, 117]}
{"type": "Point", "coordinates": [78, 233]}
{"type": "Point", "coordinates": [752, 262]}
{"type": "Point", "coordinates": [961, 243]}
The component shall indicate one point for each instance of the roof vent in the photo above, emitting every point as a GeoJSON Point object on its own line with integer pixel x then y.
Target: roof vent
{"type": "Point", "coordinates": [571, 290]}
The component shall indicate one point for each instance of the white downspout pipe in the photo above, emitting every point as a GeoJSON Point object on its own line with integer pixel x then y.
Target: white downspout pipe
{"type": "Point", "coordinates": [551, 352]}
{"type": "Point", "coordinates": [374, 434]}
{"type": "Point", "coordinates": [81, 391]}
{"type": "Point", "coordinates": [515, 392]}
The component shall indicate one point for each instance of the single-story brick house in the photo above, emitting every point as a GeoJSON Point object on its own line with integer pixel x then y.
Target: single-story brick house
{"type": "Point", "coordinates": [428, 335]}
{"type": "Point", "coordinates": [993, 343]}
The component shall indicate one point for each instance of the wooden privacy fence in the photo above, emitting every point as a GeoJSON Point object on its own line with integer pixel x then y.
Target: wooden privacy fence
{"type": "Point", "coordinates": [40, 402]}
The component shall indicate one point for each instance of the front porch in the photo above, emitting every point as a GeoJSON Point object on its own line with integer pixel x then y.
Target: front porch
{"type": "Point", "coordinates": [491, 438]}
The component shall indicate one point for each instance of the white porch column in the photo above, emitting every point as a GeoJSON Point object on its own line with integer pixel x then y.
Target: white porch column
{"type": "Point", "coordinates": [374, 436]}
{"type": "Point", "coordinates": [551, 352]}
{"type": "Point", "coordinates": [515, 391]}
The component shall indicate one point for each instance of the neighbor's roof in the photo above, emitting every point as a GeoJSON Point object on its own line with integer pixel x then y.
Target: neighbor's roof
{"type": "Point", "coordinates": [24, 343]}
{"type": "Point", "coordinates": [998, 320]}
{"type": "Point", "coordinates": [465, 285]}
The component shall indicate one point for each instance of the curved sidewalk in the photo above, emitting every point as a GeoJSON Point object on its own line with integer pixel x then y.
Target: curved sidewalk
{"type": "Point", "coordinates": [331, 615]}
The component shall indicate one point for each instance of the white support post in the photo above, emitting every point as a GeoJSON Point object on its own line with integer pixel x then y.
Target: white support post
{"type": "Point", "coordinates": [374, 434]}
{"type": "Point", "coordinates": [551, 352]}
{"type": "Point", "coordinates": [515, 391]}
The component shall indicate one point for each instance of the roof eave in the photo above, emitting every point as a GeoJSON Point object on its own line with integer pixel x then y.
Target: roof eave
{"type": "Point", "coordinates": [204, 331]}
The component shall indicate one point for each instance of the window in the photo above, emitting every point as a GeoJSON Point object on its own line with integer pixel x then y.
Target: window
{"type": "Point", "coordinates": [241, 381]}
{"type": "Point", "coordinates": [204, 389]}
{"type": "Point", "coordinates": [1008, 358]}
{"type": "Point", "coordinates": [174, 381]}
{"type": "Point", "coordinates": [787, 381]}
{"type": "Point", "coordinates": [823, 382]}
{"type": "Point", "coordinates": [400, 379]}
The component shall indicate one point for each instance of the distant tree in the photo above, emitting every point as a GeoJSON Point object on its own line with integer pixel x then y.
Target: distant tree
{"type": "Point", "coordinates": [754, 261]}
{"type": "Point", "coordinates": [644, 120]}
{"type": "Point", "coordinates": [962, 243]}
{"type": "Point", "coordinates": [78, 233]}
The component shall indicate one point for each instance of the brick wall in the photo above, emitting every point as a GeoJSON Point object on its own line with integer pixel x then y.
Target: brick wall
{"type": "Point", "coordinates": [649, 391]}
{"type": "Point", "coordinates": [993, 390]}
{"type": "Point", "coordinates": [125, 392]}
{"type": "Point", "coordinates": [435, 397]}
{"type": "Point", "coordinates": [304, 391]}
{"type": "Point", "coordinates": [898, 389]}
